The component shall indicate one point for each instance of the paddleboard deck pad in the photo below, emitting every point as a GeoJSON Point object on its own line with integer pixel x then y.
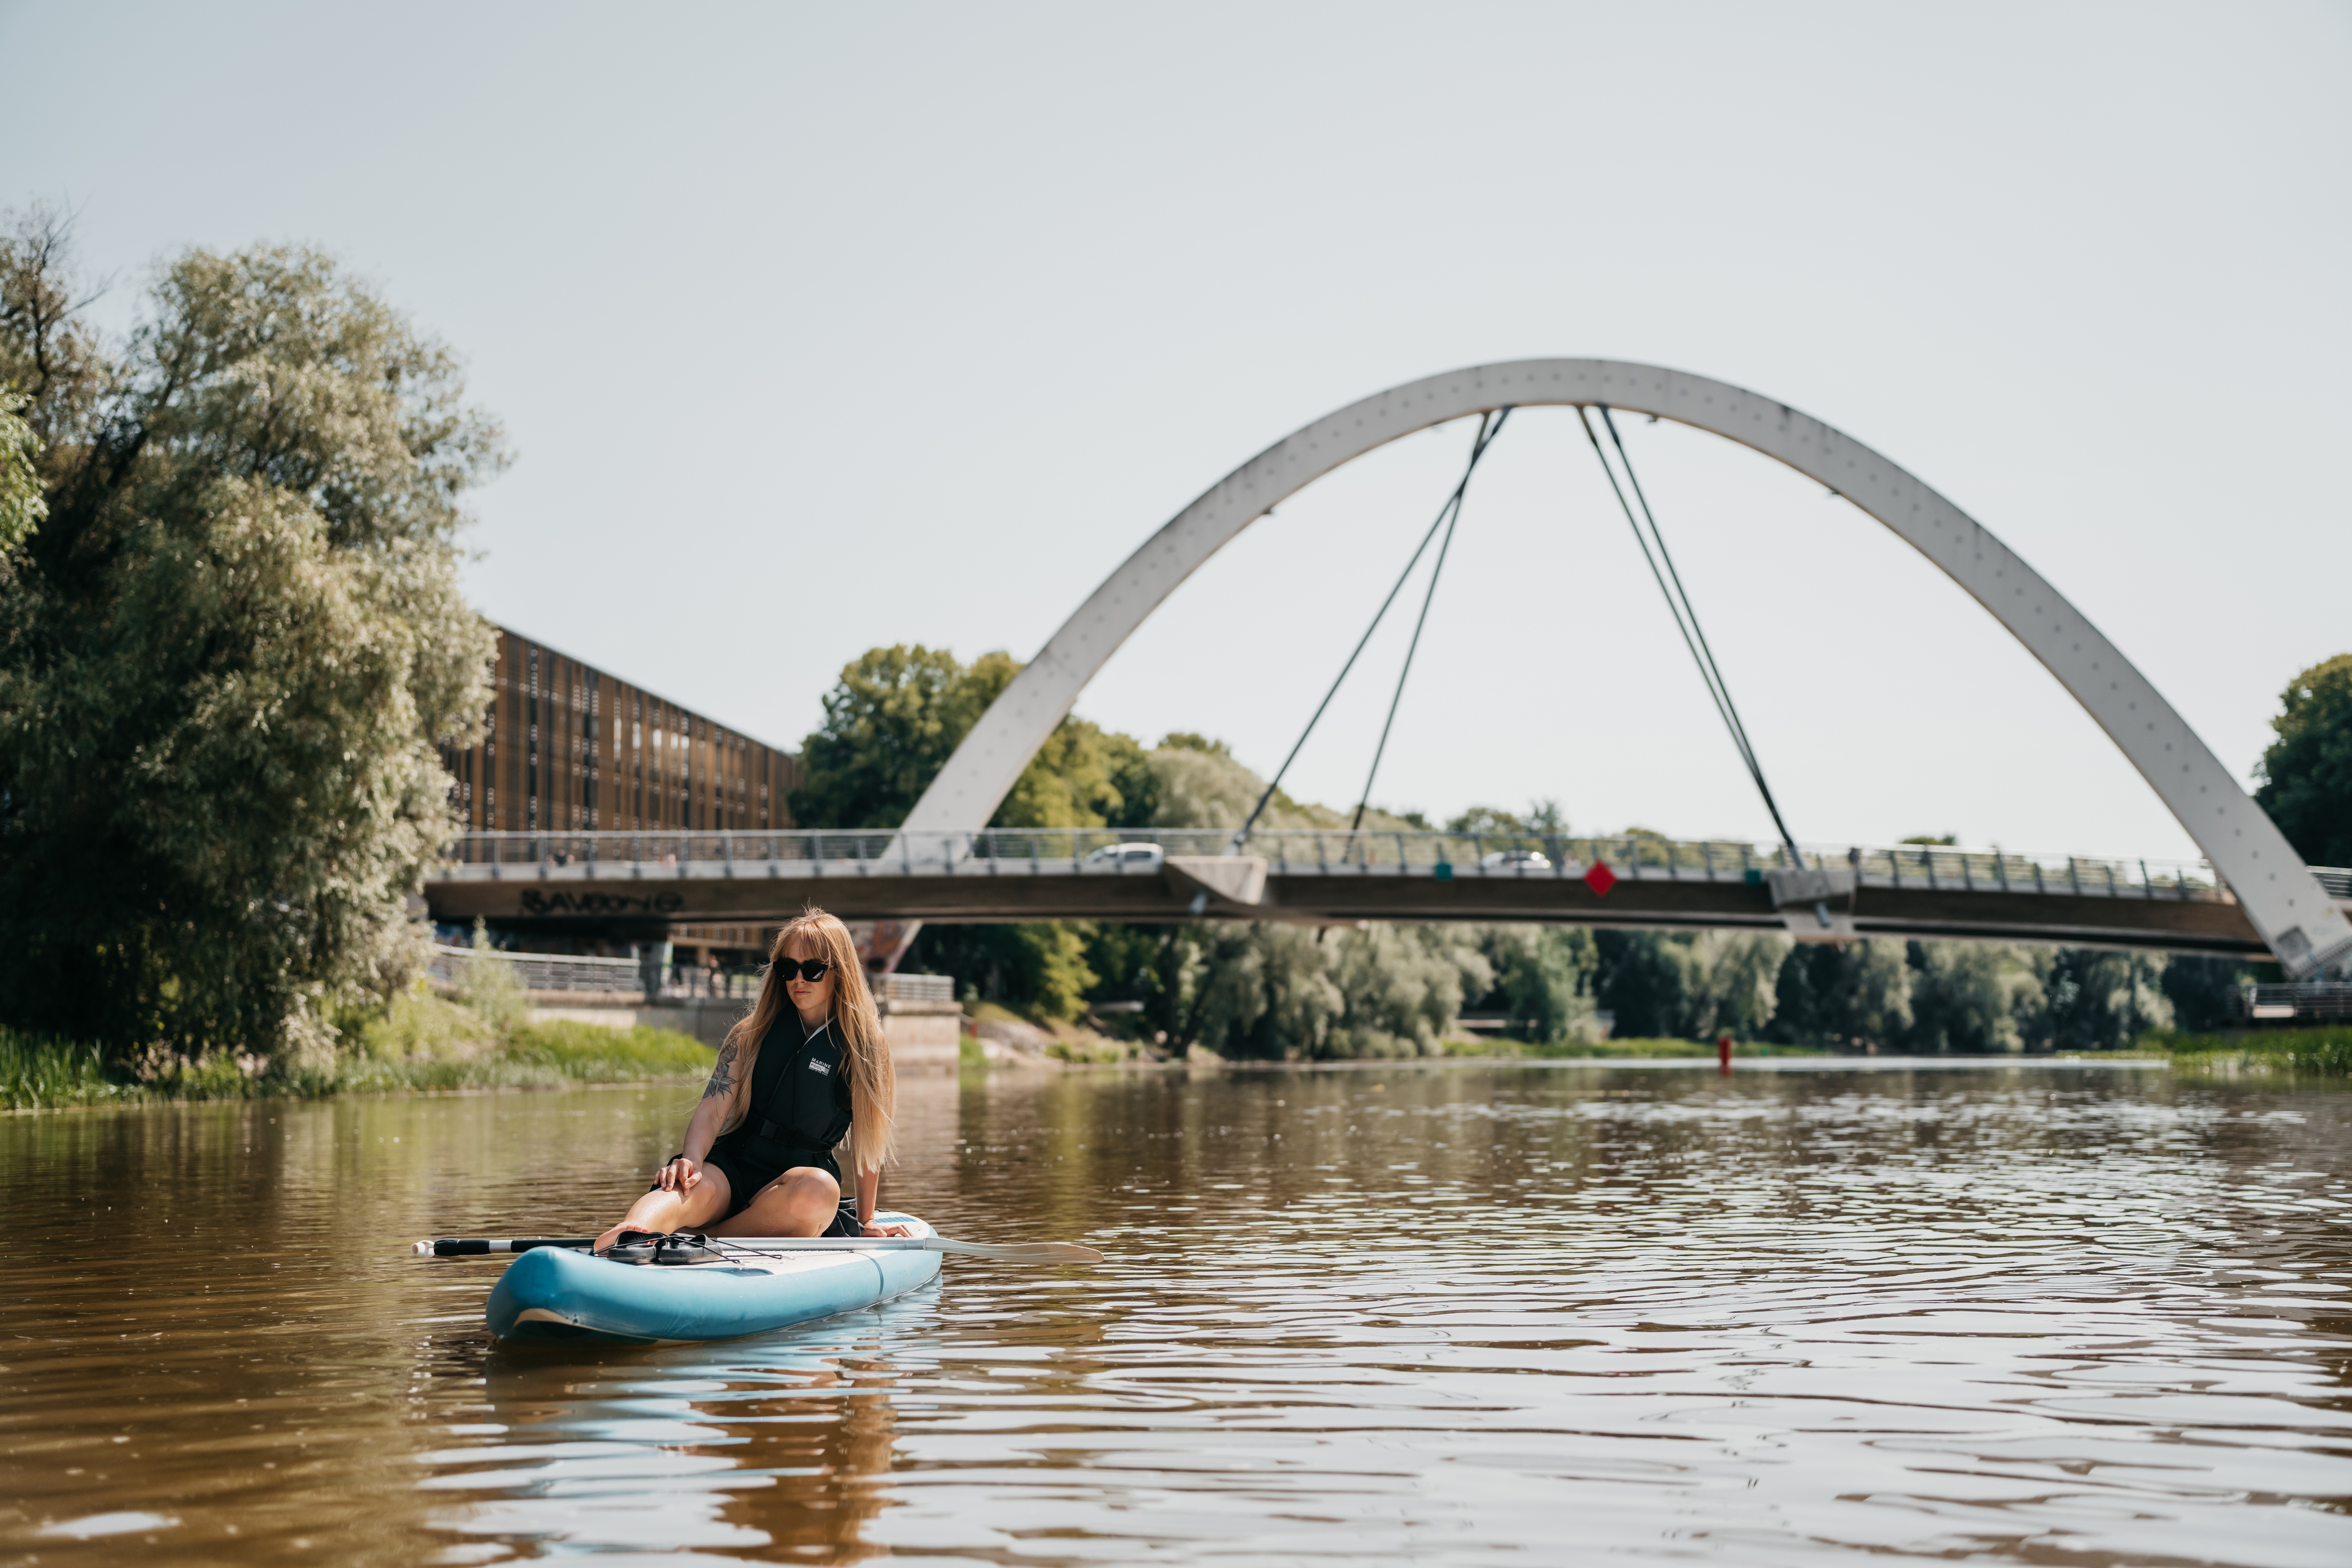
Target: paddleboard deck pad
{"type": "Point", "coordinates": [556, 1295]}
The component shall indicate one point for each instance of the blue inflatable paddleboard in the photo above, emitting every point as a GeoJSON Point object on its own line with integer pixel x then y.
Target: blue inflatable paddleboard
{"type": "Point", "coordinates": [556, 1294]}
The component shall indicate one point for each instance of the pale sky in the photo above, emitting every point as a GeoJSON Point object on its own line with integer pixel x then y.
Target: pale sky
{"type": "Point", "coordinates": [816, 327]}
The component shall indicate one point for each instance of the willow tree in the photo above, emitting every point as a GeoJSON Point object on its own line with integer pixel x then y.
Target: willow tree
{"type": "Point", "coordinates": [228, 645]}
{"type": "Point", "coordinates": [21, 506]}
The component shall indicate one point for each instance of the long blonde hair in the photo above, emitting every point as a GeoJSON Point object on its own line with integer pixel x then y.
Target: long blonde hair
{"type": "Point", "coordinates": [873, 1087]}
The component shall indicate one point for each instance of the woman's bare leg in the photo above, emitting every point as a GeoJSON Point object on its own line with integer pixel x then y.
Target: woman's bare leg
{"type": "Point", "coordinates": [693, 1209]}
{"type": "Point", "coordinates": [801, 1201]}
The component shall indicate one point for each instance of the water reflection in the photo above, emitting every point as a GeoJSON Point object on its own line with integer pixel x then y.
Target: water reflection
{"type": "Point", "coordinates": [780, 1443]}
{"type": "Point", "coordinates": [2017, 1313]}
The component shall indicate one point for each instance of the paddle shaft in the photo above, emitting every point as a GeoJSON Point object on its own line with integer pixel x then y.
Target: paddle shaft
{"type": "Point", "coordinates": [1017, 1252]}
{"type": "Point", "coordinates": [475, 1247]}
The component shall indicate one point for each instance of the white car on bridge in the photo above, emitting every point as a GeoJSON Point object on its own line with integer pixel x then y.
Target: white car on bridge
{"type": "Point", "coordinates": [1515, 860]}
{"type": "Point", "coordinates": [1128, 857]}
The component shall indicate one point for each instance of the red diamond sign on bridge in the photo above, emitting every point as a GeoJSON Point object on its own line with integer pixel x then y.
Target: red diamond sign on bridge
{"type": "Point", "coordinates": [1600, 879]}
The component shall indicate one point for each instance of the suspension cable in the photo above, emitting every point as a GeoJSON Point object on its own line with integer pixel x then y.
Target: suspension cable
{"type": "Point", "coordinates": [1490, 424]}
{"type": "Point", "coordinates": [1686, 615]}
{"type": "Point", "coordinates": [1486, 437]}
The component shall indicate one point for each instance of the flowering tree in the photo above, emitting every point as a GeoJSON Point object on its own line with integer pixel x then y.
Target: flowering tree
{"type": "Point", "coordinates": [227, 649]}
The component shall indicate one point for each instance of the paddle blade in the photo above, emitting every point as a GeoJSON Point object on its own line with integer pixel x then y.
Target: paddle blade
{"type": "Point", "coordinates": [1062, 1252]}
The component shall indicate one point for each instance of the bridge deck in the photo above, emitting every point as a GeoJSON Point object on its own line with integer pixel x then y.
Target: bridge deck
{"type": "Point", "coordinates": [1336, 878]}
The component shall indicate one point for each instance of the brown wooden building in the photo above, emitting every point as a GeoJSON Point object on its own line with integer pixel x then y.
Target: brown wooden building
{"type": "Point", "coordinates": [568, 748]}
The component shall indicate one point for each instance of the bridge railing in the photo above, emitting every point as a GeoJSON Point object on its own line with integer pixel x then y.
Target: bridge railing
{"type": "Point", "coordinates": [1971, 870]}
{"type": "Point", "coordinates": [2305, 1001]}
{"type": "Point", "coordinates": [642, 849]}
{"type": "Point", "coordinates": [1291, 851]}
{"type": "Point", "coordinates": [1642, 857]}
{"type": "Point", "coordinates": [540, 971]}
{"type": "Point", "coordinates": [583, 972]}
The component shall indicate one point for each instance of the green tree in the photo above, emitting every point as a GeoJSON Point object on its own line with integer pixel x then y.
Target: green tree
{"type": "Point", "coordinates": [1199, 784]}
{"type": "Point", "coordinates": [1544, 975]}
{"type": "Point", "coordinates": [2306, 772]}
{"type": "Point", "coordinates": [1976, 996]}
{"type": "Point", "coordinates": [21, 504]}
{"type": "Point", "coordinates": [1851, 996]}
{"type": "Point", "coordinates": [1128, 961]}
{"type": "Point", "coordinates": [228, 650]}
{"type": "Point", "coordinates": [1040, 966]}
{"type": "Point", "coordinates": [2204, 991]}
{"type": "Point", "coordinates": [897, 714]}
{"type": "Point", "coordinates": [1687, 985]}
{"type": "Point", "coordinates": [1197, 787]}
{"type": "Point", "coordinates": [2095, 1001]}
{"type": "Point", "coordinates": [1051, 960]}
{"type": "Point", "coordinates": [1543, 817]}
{"type": "Point", "coordinates": [891, 722]}
{"type": "Point", "coordinates": [1083, 776]}
{"type": "Point", "coordinates": [1276, 992]}
{"type": "Point", "coordinates": [1644, 982]}
{"type": "Point", "coordinates": [1730, 983]}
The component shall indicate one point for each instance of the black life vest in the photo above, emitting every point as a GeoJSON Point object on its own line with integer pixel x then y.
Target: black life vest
{"type": "Point", "coordinates": [800, 1087]}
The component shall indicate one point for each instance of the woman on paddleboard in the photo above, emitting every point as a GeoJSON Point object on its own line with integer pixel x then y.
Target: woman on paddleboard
{"type": "Point", "coordinates": [809, 1065]}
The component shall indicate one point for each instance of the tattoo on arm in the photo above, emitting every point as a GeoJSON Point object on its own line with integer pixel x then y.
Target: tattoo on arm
{"type": "Point", "coordinates": [722, 1076]}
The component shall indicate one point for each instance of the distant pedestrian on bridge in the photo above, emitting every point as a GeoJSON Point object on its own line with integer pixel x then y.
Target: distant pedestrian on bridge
{"type": "Point", "coordinates": [808, 1067]}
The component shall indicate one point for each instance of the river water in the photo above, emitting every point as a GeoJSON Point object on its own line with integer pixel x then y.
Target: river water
{"type": "Point", "coordinates": [1453, 1315]}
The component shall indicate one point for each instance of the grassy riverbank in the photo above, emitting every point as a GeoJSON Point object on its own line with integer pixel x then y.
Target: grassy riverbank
{"type": "Point", "coordinates": [2252, 1053]}
{"type": "Point", "coordinates": [425, 1045]}
{"type": "Point", "coordinates": [1619, 1050]}
{"type": "Point", "coordinates": [2260, 1053]}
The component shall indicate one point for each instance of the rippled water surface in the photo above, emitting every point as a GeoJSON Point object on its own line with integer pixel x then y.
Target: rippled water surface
{"type": "Point", "coordinates": [2030, 1315]}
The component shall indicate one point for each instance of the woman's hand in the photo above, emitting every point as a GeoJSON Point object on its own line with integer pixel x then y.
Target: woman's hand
{"type": "Point", "coordinates": [681, 1175]}
{"type": "Point", "coordinates": [872, 1229]}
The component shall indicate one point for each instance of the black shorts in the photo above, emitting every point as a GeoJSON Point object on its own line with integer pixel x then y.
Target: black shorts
{"type": "Point", "coordinates": [747, 1171]}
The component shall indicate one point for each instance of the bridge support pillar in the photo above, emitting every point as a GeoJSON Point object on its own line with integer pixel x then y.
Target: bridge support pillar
{"type": "Point", "coordinates": [1815, 905]}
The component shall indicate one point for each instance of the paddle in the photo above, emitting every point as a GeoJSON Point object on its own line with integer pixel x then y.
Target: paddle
{"type": "Point", "coordinates": [1009, 1252]}
{"type": "Point", "coordinates": [474, 1247]}
{"type": "Point", "coordinates": [1014, 1252]}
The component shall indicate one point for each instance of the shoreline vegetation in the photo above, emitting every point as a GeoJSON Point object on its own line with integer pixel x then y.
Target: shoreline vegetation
{"type": "Point", "coordinates": [1041, 1039]}
{"type": "Point", "coordinates": [2325, 1051]}
{"type": "Point", "coordinates": [426, 1044]}
{"type": "Point", "coordinates": [1617, 1050]}
{"type": "Point", "coordinates": [432, 1045]}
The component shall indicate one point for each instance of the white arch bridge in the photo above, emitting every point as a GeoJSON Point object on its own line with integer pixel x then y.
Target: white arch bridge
{"type": "Point", "coordinates": [2251, 893]}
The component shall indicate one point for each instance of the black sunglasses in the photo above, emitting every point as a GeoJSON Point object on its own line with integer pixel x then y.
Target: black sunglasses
{"type": "Point", "coordinates": [809, 969]}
